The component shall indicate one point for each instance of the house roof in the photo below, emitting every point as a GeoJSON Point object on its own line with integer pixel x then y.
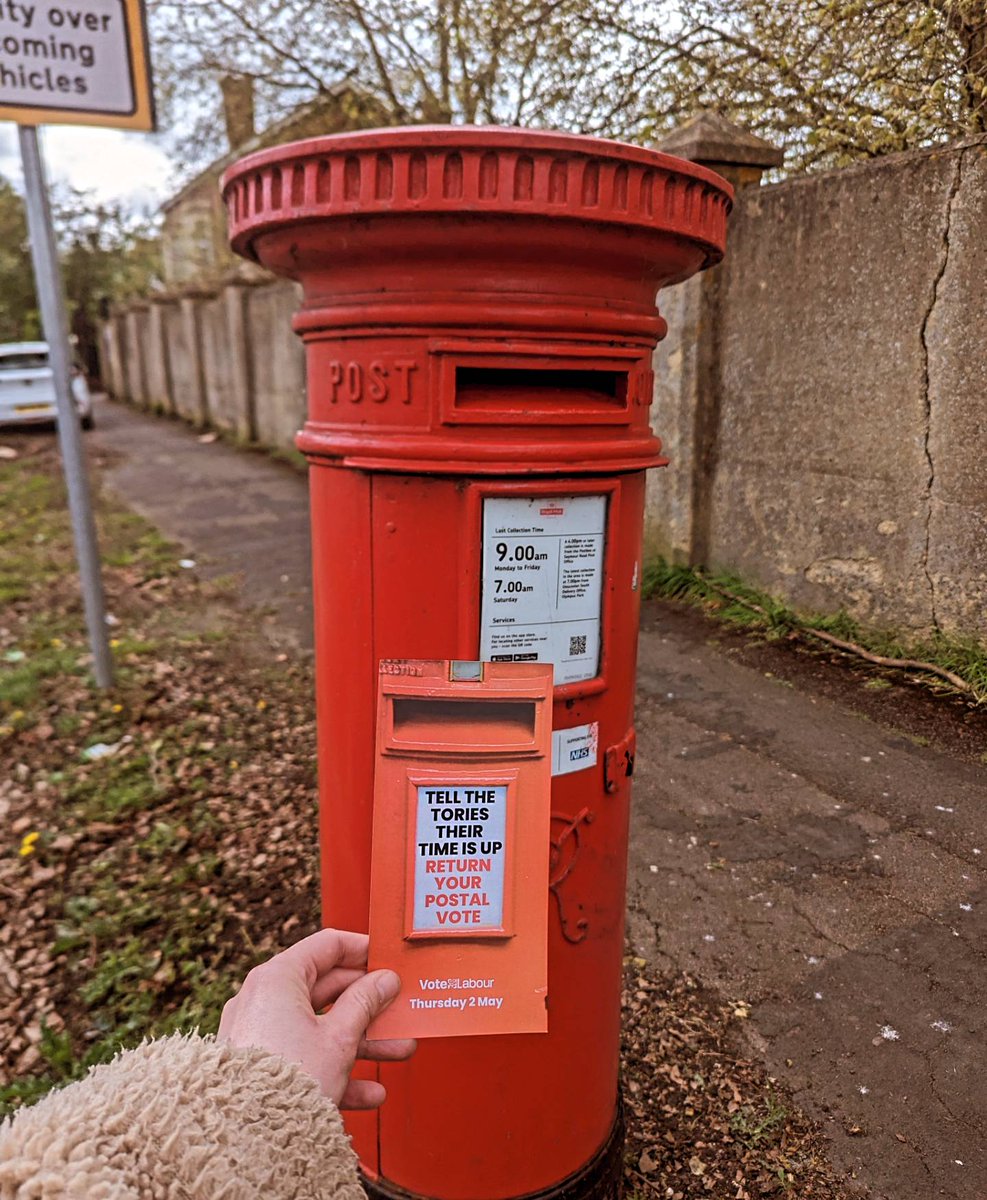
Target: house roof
{"type": "Point", "coordinates": [266, 137]}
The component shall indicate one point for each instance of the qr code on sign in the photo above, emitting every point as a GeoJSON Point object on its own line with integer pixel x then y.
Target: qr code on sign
{"type": "Point", "coordinates": [577, 645]}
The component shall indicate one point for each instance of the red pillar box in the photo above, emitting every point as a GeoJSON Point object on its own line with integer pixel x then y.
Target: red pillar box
{"type": "Point", "coordinates": [479, 318]}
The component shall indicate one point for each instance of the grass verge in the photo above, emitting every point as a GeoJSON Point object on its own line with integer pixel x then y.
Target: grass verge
{"type": "Point", "coordinates": [731, 599]}
{"type": "Point", "coordinates": [158, 838]}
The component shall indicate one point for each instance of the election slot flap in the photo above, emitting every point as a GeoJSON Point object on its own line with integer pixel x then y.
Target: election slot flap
{"type": "Point", "coordinates": [81, 62]}
{"type": "Point", "coordinates": [459, 870]}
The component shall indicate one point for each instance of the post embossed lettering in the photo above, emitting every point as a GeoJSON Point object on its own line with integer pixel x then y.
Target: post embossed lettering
{"type": "Point", "coordinates": [377, 381]}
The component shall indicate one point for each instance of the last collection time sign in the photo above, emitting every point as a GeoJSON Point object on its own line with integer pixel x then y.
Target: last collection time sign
{"type": "Point", "coordinates": [543, 582]}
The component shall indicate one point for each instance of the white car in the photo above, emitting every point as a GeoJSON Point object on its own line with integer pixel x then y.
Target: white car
{"type": "Point", "coordinates": [27, 386]}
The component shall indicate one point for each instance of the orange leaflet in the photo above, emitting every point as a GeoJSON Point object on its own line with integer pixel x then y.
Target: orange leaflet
{"type": "Point", "coordinates": [459, 875]}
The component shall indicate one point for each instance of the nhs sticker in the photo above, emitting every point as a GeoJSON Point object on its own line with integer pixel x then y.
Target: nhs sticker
{"type": "Point", "coordinates": [574, 749]}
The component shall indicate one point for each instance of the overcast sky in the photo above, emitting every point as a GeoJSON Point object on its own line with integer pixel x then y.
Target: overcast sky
{"type": "Point", "coordinates": [110, 162]}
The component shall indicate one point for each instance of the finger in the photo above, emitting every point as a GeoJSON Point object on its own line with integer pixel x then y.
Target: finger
{"type": "Point", "coordinates": [331, 986]}
{"type": "Point", "coordinates": [363, 1093]}
{"type": "Point", "coordinates": [349, 1017]}
{"type": "Point", "coordinates": [227, 1017]}
{"type": "Point", "coordinates": [387, 1049]}
{"type": "Point", "coordinates": [316, 955]}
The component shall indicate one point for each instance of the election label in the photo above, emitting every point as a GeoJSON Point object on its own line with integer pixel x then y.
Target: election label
{"type": "Point", "coordinates": [459, 856]}
{"type": "Point", "coordinates": [80, 62]}
{"type": "Point", "coordinates": [574, 749]}
{"type": "Point", "coordinates": [543, 582]}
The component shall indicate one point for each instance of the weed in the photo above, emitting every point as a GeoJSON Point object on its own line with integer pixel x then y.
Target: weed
{"type": "Point", "coordinates": [62, 1065]}
{"type": "Point", "coordinates": [114, 788]}
{"type": "Point", "coordinates": [755, 1125]}
{"type": "Point", "coordinates": [127, 540]}
{"type": "Point", "coordinates": [20, 685]}
{"type": "Point", "coordinates": [291, 456]}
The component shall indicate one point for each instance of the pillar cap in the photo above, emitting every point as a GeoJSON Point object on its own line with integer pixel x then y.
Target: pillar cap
{"type": "Point", "coordinates": [711, 139]}
{"type": "Point", "coordinates": [440, 250]}
{"type": "Point", "coordinates": [474, 171]}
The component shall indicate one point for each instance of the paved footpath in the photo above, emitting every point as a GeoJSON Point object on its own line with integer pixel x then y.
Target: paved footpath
{"type": "Point", "coordinates": [785, 851]}
{"type": "Point", "coordinates": [235, 511]}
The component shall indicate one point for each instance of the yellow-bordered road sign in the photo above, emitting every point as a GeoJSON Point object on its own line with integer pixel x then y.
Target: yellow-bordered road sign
{"type": "Point", "coordinates": [75, 62]}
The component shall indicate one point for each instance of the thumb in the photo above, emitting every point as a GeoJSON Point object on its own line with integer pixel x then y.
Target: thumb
{"type": "Point", "coordinates": [360, 1004]}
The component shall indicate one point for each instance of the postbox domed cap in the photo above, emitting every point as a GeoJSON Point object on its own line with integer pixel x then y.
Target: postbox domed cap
{"type": "Point", "coordinates": [425, 170]}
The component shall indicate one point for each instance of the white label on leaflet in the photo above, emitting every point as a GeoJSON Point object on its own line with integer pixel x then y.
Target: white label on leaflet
{"type": "Point", "coordinates": [574, 749]}
{"type": "Point", "coordinates": [460, 845]}
{"type": "Point", "coordinates": [543, 582]}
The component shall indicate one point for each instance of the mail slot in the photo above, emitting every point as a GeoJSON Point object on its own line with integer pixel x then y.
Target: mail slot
{"type": "Point", "coordinates": [565, 385]}
{"type": "Point", "coordinates": [483, 726]}
{"type": "Point", "coordinates": [479, 322]}
{"type": "Point", "coordinates": [496, 387]}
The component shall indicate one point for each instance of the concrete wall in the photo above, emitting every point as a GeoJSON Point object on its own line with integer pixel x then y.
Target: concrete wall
{"type": "Point", "coordinates": [277, 363]}
{"type": "Point", "coordinates": [669, 528]}
{"type": "Point", "coordinates": [157, 371]}
{"type": "Point", "coordinates": [221, 401]}
{"type": "Point", "coordinates": [823, 395]}
{"type": "Point", "coordinates": [136, 322]}
{"type": "Point", "coordinates": [956, 338]}
{"type": "Point", "coordinates": [225, 358]}
{"type": "Point", "coordinates": [181, 347]}
{"type": "Point", "coordinates": [111, 356]}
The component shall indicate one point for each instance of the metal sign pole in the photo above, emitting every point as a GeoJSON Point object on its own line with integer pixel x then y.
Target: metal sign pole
{"type": "Point", "coordinates": [56, 330]}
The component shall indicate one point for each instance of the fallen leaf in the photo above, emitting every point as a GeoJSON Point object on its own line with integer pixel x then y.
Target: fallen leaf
{"type": "Point", "coordinates": [647, 1162]}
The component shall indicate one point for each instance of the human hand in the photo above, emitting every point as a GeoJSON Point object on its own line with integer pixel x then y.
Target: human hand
{"type": "Point", "coordinates": [278, 1008]}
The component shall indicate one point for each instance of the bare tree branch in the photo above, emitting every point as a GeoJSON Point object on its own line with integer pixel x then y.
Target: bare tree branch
{"type": "Point", "coordinates": [831, 80]}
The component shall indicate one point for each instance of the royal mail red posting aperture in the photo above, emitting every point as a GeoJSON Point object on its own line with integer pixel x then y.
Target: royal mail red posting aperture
{"type": "Point", "coordinates": [459, 884]}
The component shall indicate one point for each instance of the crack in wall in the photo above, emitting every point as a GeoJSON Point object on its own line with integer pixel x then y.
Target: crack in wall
{"type": "Point", "coordinates": [954, 188]}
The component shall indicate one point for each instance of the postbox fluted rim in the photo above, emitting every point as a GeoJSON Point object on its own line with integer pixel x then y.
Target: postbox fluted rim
{"type": "Point", "coordinates": [476, 171]}
{"type": "Point", "coordinates": [445, 136]}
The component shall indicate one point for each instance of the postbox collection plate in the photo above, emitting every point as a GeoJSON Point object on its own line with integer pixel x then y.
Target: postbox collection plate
{"type": "Point", "coordinates": [542, 590]}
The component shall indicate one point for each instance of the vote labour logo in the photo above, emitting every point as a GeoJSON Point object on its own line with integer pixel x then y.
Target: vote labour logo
{"type": "Point", "coordinates": [459, 855]}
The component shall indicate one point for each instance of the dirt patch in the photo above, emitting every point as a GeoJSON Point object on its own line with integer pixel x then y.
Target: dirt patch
{"type": "Point", "coordinates": [704, 1118]}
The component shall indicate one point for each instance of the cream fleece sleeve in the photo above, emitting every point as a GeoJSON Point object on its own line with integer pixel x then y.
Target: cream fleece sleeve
{"type": "Point", "coordinates": [183, 1118]}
